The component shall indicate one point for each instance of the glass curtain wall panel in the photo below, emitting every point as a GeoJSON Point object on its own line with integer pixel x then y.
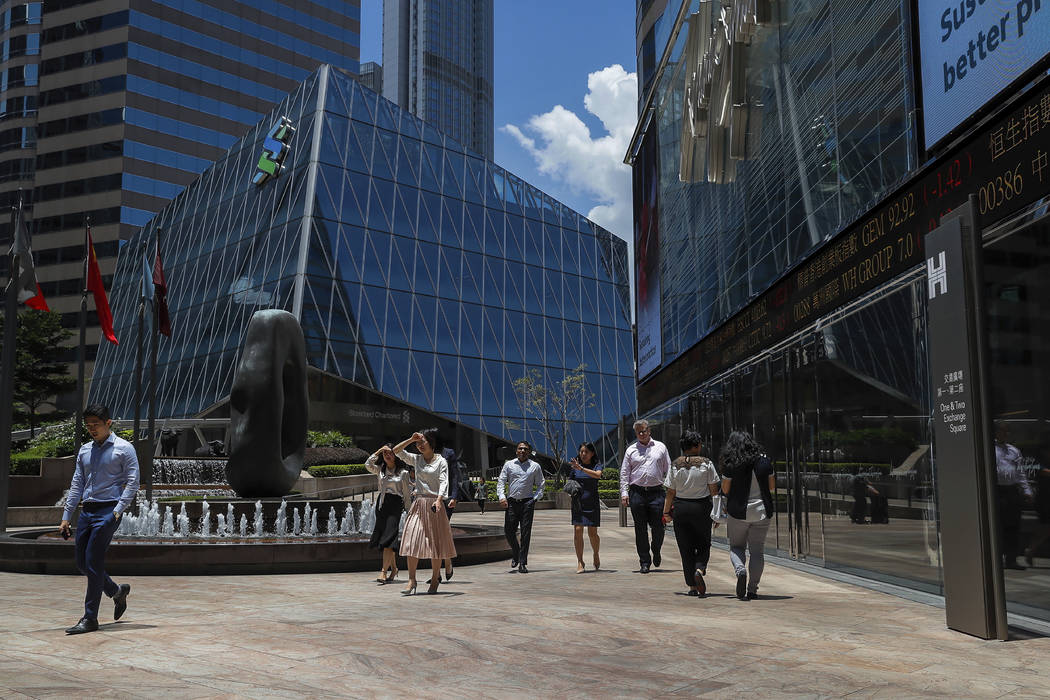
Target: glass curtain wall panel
{"type": "Point", "coordinates": [417, 268]}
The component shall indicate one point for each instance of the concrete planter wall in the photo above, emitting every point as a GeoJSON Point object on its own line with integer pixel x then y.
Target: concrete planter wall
{"type": "Point", "coordinates": [334, 486]}
{"type": "Point", "coordinates": [47, 487]}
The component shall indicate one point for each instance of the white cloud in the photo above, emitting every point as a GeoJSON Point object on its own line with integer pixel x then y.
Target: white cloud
{"type": "Point", "coordinates": [565, 150]}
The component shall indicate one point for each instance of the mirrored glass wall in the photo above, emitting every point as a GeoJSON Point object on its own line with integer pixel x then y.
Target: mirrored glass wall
{"type": "Point", "coordinates": [842, 410]}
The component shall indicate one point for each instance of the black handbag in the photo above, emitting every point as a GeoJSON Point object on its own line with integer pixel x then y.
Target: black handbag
{"type": "Point", "coordinates": [572, 487]}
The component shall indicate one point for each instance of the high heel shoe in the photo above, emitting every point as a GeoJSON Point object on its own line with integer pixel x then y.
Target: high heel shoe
{"type": "Point", "coordinates": [448, 573]}
{"type": "Point", "coordinates": [580, 567]}
{"type": "Point", "coordinates": [434, 583]}
{"type": "Point", "coordinates": [411, 590]}
{"type": "Point", "coordinates": [393, 575]}
{"type": "Point", "coordinates": [597, 563]}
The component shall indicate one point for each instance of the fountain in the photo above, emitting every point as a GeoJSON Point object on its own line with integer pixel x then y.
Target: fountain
{"type": "Point", "coordinates": [267, 442]}
{"type": "Point", "coordinates": [368, 516]}
{"type": "Point", "coordinates": [205, 519]}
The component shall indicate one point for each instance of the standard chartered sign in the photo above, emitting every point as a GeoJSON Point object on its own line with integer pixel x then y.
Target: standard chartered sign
{"type": "Point", "coordinates": [973, 49]}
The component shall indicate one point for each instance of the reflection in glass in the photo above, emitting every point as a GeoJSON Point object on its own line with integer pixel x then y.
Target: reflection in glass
{"type": "Point", "coordinates": [1017, 304]}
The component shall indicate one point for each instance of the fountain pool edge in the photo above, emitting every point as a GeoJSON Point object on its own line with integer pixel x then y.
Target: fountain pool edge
{"type": "Point", "coordinates": [28, 553]}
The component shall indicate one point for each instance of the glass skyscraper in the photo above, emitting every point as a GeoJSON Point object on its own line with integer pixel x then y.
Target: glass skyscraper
{"type": "Point", "coordinates": [792, 224]}
{"type": "Point", "coordinates": [111, 108]}
{"type": "Point", "coordinates": [742, 178]}
{"type": "Point", "coordinates": [438, 64]}
{"type": "Point", "coordinates": [421, 274]}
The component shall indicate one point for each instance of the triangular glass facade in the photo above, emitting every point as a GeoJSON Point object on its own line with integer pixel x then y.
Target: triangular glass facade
{"type": "Point", "coordinates": [417, 269]}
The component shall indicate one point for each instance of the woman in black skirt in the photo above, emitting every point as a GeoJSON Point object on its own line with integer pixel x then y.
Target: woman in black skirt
{"type": "Point", "coordinates": [395, 483]}
{"type": "Point", "coordinates": [586, 510]}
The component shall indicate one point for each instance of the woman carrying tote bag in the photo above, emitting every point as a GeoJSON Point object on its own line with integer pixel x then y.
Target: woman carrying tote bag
{"type": "Point", "coordinates": [747, 483]}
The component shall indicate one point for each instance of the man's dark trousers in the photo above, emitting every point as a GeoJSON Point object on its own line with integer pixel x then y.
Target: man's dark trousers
{"type": "Point", "coordinates": [647, 509]}
{"type": "Point", "coordinates": [1011, 503]}
{"type": "Point", "coordinates": [95, 529]}
{"type": "Point", "coordinates": [519, 512]}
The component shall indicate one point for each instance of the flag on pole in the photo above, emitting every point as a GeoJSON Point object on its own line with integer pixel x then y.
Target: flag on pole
{"type": "Point", "coordinates": [95, 286]}
{"type": "Point", "coordinates": [161, 285]}
{"type": "Point", "coordinates": [29, 292]}
{"type": "Point", "coordinates": [147, 278]}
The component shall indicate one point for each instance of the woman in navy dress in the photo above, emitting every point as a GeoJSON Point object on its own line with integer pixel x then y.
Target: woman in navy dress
{"type": "Point", "coordinates": [586, 510]}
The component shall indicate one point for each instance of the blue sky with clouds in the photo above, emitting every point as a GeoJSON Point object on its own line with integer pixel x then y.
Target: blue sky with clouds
{"type": "Point", "coordinates": [565, 98]}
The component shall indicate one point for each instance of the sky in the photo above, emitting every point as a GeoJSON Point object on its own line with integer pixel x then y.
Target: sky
{"type": "Point", "coordinates": [565, 98]}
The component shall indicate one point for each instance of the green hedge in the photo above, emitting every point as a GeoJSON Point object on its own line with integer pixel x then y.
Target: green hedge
{"type": "Point", "coordinates": [329, 470]}
{"type": "Point", "coordinates": [328, 438]}
{"type": "Point", "coordinates": [26, 463]}
{"type": "Point", "coordinates": [609, 493]}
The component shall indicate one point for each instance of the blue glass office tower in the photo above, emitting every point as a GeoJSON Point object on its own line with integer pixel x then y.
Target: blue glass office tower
{"type": "Point", "coordinates": [438, 64]}
{"type": "Point", "coordinates": [111, 108]}
{"type": "Point", "coordinates": [426, 278]}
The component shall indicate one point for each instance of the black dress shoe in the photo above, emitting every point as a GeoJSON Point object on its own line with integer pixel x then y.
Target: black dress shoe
{"type": "Point", "coordinates": [741, 586]}
{"type": "Point", "coordinates": [693, 592]}
{"type": "Point", "coordinates": [86, 624]}
{"type": "Point", "coordinates": [120, 601]}
{"type": "Point", "coordinates": [522, 569]}
{"type": "Point", "coordinates": [752, 595]}
{"type": "Point", "coordinates": [644, 569]}
{"type": "Point", "coordinates": [656, 559]}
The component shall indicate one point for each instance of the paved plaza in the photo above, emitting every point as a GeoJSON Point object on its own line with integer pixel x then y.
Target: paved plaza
{"type": "Point", "coordinates": [490, 633]}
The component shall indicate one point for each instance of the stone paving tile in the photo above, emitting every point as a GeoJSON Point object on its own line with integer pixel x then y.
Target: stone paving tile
{"type": "Point", "coordinates": [495, 634]}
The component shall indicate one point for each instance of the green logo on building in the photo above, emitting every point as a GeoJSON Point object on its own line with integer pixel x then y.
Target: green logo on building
{"type": "Point", "coordinates": [275, 150]}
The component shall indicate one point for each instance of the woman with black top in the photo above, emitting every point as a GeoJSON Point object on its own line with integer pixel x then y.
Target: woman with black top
{"type": "Point", "coordinates": [395, 484]}
{"type": "Point", "coordinates": [747, 483]}
{"type": "Point", "coordinates": [586, 510]}
{"type": "Point", "coordinates": [691, 482]}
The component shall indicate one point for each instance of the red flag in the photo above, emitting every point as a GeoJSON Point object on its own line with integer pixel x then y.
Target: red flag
{"type": "Point", "coordinates": [105, 316]}
{"type": "Point", "coordinates": [160, 287]}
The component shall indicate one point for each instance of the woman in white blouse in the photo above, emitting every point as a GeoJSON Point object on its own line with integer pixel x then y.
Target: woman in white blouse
{"type": "Point", "coordinates": [395, 486]}
{"type": "Point", "coordinates": [691, 482]}
{"type": "Point", "coordinates": [427, 533]}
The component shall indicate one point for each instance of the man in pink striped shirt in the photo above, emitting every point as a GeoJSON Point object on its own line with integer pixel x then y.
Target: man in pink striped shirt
{"type": "Point", "coordinates": [645, 465]}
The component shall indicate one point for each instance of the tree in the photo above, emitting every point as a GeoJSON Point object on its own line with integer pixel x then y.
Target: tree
{"type": "Point", "coordinates": [40, 373]}
{"type": "Point", "coordinates": [554, 408]}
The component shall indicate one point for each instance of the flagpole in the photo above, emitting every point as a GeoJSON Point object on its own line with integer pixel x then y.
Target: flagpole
{"type": "Point", "coordinates": [83, 337]}
{"type": "Point", "coordinates": [138, 367]}
{"type": "Point", "coordinates": [7, 388]}
{"type": "Point", "coordinates": [153, 378]}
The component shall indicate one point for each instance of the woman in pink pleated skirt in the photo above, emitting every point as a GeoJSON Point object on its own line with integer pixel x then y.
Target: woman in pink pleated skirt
{"type": "Point", "coordinates": [427, 533]}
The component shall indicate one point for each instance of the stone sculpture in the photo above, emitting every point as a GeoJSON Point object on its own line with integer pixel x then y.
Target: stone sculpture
{"type": "Point", "coordinates": [214, 448]}
{"type": "Point", "coordinates": [169, 442]}
{"type": "Point", "coordinates": [268, 407]}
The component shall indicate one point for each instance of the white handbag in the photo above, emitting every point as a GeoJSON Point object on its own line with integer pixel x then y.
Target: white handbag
{"type": "Point", "coordinates": [718, 509]}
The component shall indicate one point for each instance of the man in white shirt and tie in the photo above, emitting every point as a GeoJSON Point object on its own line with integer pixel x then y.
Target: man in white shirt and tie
{"type": "Point", "coordinates": [524, 479]}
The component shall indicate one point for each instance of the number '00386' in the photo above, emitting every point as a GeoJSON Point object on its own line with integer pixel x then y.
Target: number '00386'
{"type": "Point", "coordinates": [999, 190]}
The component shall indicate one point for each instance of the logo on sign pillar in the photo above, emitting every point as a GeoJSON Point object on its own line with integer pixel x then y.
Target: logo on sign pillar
{"type": "Point", "coordinates": [275, 150]}
{"type": "Point", "coordinates": [937, 275]}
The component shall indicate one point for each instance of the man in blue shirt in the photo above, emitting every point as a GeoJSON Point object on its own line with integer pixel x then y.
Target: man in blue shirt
{"type": "Point", "coordinates": [105, 480]}
{"type": "Point", "coordinates": [525, 480]}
